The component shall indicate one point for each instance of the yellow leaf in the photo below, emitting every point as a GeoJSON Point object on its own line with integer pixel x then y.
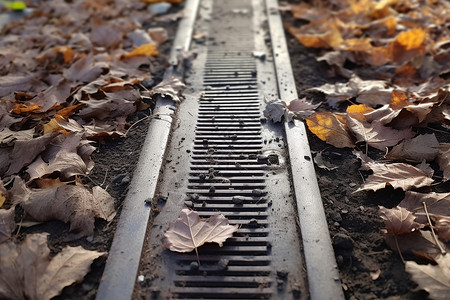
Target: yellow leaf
{"type": "Point", "coordinates": [144, 50]}
{"type": "Point", "coordinates": [399, 100]}
{"type": "Point", "coordinates": [53, 126]}
{"type": "Point", "coordinates": [25, 108]}
{"type": "Point", "coordinates": [331, 128]}
{"type": "Point", "coordinates": [2, 200]}
{"type": "Point", "coordinates": [412, 39]}
{"type": "Point", "coordinates": [358, 111]}
{"type": "Point", "coordinates": [68, 111]}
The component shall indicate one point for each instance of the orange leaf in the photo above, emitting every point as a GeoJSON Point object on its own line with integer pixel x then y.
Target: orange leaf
{"type": "Point", "coordinates": [412, 39]}
{"type": "Point", "coordinates": [66, 52]}
{"type": "Point", "coordinates": [358, 111]}
{"type": "Point", "coordinates": [330, 128]}
{"type": "Point", "coordinates": [68, 111]}
{"type": "Point", "coordinates": [399, 100]}
{"type": "Point", "coordinates": [25, 108]}
{"type": "Point", "coordinates": [144, 50]}
{"type": "Point", "coordinates": [53, 126]}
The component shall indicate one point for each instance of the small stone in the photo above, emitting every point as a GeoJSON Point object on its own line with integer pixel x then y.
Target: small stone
{"type": "Point", "coordinates": [223, 264]}
{"type": "Point", "coordinates": [335, 216]}
{"type": "Point", "coordinates": [342, 241]}
{"type": "Point", "coordinates": [257, 192]}
{"type": "Point", "coordinates": [141, 278]}
{"type": "Point", "coordinates": [340, 260]}
{"type": "Point", "coordinates": [352, 184]}
{"type": "Point", "coordinates": [194, 266]}
{"type": "Point", "coordinates": [159, 8]}
{"type": "Point", "coordinates": [344, 211]}
{"type": "Point", "coordinates": [283, 274]}
{"type": "Point", "coordinates": [253, 223]}
{"type": "Point", "coordinates": [237, 200]}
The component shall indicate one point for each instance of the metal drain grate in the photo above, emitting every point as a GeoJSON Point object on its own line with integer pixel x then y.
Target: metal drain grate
{"type": "Point", "coordinates": [227, 175]}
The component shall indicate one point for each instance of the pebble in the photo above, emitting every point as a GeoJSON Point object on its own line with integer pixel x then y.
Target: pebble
{"type": "Point", "coordinates": [352, 184]}
{"type": "Point", "coordinates": [223, 264]}
{"type": "Point", "coordinates": [342, 241]}
{"type": "Point", "coordinates": [194, 266]}
{"type": "Point", "coordinates": [335, 216]}
{"type": "Point", "coordinates": [141, 278]}
{"type": "Point", "coordinates": [159, 8]}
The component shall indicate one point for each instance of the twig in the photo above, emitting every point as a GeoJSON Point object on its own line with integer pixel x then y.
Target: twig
{"type": "Point", "coordinates": [398, 249]}
{"type": "Point", "coordinates": [144, 118]}
{"type": "Point", "coordinates": [20, 226]}
{"type": "Point", "coordinates": [432, 230]}
{"type": "Point", "coordinates": [104, 179]}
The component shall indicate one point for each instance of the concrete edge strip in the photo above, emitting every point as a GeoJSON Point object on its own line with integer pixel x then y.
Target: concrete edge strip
{"type": "Point", "coordinates": [119, 276]}
{"type": "Point", "coordinates": [323, 275]}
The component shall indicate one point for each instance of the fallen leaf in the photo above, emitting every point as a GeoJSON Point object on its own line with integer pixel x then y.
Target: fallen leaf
{"type": "Point", "coordinates": [375, 134]}
{"type": "Point", "coordinates": [435, 279]}
{"type": "Point", "coordinates": [158, 34]}
{"type": "Point", "coordinates": [143, 50]}
{"type": "Point", "coordinates": [108, 34]}
{"type": "Point", "coordinates": [418, 241]}
{"type": "Point", "coordinates": [399, 100]}
{"type": "Point", "coordinates": [397, 175]}
{"type": "Point", "coordinates": [437, 203]}
{"type": "Point", "coordinates": [422, 147]}
{"type": "Point", "coordinates": [62, 156]}
{"type": "Point", "coordinates": [67, 203]}
{"type": "Point", "coordinates": [358, 111]}
{"type": "Point", "coordinates": [398, 220]}
{"type": "Point", "coordinates": [14, 83]}
{"type": "Point", "coordinates": [301, 108]}
{"type": "Point", "coordinates": [190, 232]}
{"type": "Point", "coordinates": [169, 87]}
{"type": "Point", "coordinates": [3, 193]}
{"type": "Point", "coordinates": [407, 44]}
{"type": "Point", "coordinates": [86, 69]}
{"type": "Point", "coordinates": [25, 152]}
{"type": "Point", "coordinates": [426, 168]}
{"type": "Point", "coordinates": [7, 224]}
{"type": "Point", "coordinates": [331, 128]}
{"type": "Point", "coordinates": [275, 111]}
{"type": "Point", "coordinates": [9, 137]}
{"type": "Point", "coordinates": [443, 159]}
{"type": "Point", "coordinates": [28, 271]}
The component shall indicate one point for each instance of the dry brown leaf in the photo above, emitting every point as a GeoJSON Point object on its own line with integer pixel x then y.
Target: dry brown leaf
{"type": "Point", "coordinates": [297, 108]}
{"type": "Point", "coordinates": [444, 159]}
{"type": "Point", "coordinates": [28, 272]}
{"type": "Point", "coordinates": [67, 203]}
{"type": "Point", "coordinates": [398, 220]}
{"type": "Point", "coordinates": [62, 156]}
{"type": "Point", "coordinates": [8, 137]}
{"type": "Point", "coordinates": [375, 134]}
{"type": "Point", "coordinates": [3, 193]}
{"type": "Point", "coordinates": [158, 34]}
{"type": "Point", "coordinates": [14, 83]}
{"type": "Point", "coordinates": [331, 128]}
{"type": "Point", "coordinates": [368, 92]}
{"type": "Point", "coordinates": [275, 111]}
{"type": "Point", "coordinates": [190, 232]}
{"type": "Point", "coordinates": [25, 152]}
{"type": "Point", "coordinates": [422, 147]}
{"type": "Point", "coordinates": [171, 87]}
{"type": "Point", "coordinates": [7, 224]}
{"type": "Point", "coordinates": [437, 203]}
{"type": "Point", "coordinates": [435, 279]}
{"type": "Point", "coordinates": [86, 69]}
{"type": "Point", "coordinates": [108, 34]}
{"type": "Point", "coordinates": [419, 241]}
{"type": "Point", "coordinates": [397, 175]}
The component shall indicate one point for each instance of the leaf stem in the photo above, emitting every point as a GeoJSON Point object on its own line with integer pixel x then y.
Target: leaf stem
{"type": "Point", "coordinates": [398, 249]}
{"type": "Point", "coordinates": [432, 230]}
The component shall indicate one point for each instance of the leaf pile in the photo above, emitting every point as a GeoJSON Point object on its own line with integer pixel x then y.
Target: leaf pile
{"type": "Point", "coordinates": [72, 72]}
{"type": "Point", "coordinates": [407, 42]}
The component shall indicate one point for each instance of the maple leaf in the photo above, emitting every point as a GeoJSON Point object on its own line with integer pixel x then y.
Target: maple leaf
{"type": "Point", "coordinates": [7, 224]}
{"type": "Point", "coordinates": [331, 128]}
{"type": "Point", "coordinates": [170, 87]}
{"type": "Point", "coordinates": [422, 147]}
{"type": "Point", "coordinates": [435, 279]}
{"type": "Point", "coordinates": [398, 220]}
{"type": "Point", "coordinates": [28, 272]}
{"type": "Point", "coordinates": [190, 232]}
{"type": "Point", "coordinates": [67, 203]}
{"type": "Point", "coordinates": [397, 175]}
{"type": "Point", "coordinates": [13, 83]}
{"type": "Point", "coordinates": [86, 69]}
{"type": "Point", "coordinates": [298, 108]}
{"type": "Point", "coordinates": [358, 111]}
{"type": "Point", "coordinates": [437, 203]}
{"type": "Point", "coordinates": [375, 134]}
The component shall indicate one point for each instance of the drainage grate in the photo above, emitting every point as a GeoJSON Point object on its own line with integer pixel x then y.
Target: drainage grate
{"type": "Point", "coordinates": [227, 175]}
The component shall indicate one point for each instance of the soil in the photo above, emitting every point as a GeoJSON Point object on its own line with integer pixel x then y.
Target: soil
{"type": "Point", "coordinates": [353, 218]}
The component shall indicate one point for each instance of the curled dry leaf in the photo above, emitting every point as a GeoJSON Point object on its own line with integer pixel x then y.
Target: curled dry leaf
{"type": "Point", "coordinates": [275, 111]}
{"type": "Point", "coordinates": [432, 278]}
{"type": "Point", "coordinates": [376, 135]}
{"type": "Point", "coordinates": [397, 175]}
{"type": "Point", "coordinates": [28, 272]}
{"type": "Point", "coordinates": [424, 146]}
{"type": "Point", "coordinates": [190, 232]}
{"type": "Point", "coordinates": [67, 203]}
{"type": "Point", "coordinates": [297, 108]}
{"type": "Point", "coordinates": [398, 220]}
{"type": "Point", "coordinates": [331, 128]}
{"type": "Point", "coordinates": [7, 224]}
{"type": "Point", "coordinates": [171, 87]}
{"type": "Point", "coordinates": [437, 204]}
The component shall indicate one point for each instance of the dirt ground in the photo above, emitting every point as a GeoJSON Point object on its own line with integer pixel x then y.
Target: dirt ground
{"type": "Point", "coordinates": [352, 217]}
